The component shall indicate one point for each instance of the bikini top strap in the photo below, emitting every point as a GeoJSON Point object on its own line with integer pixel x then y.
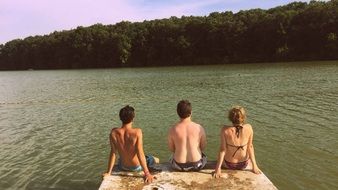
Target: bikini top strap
{"type": "Point", "coordinates": [238, 129]}
{"type": "Point", "coordinates": [238, 147]}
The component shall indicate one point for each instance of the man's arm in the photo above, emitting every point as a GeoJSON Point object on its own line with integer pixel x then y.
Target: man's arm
{"type": "Point", "coordinates": [221, 154]}
{"type": "Point", "coordinates": [171, 144]}
{"type": "Point", "coordinates": [148, 178]}
{"type": "Point", "coordinates": [112, 156]}
{"type": "Point", "coordinates": [203, 141]}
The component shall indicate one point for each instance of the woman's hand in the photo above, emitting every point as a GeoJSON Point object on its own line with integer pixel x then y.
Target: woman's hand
{"type": "Point", "coordinates": [105, 175]}
{"type": "Point", "coordinates": [256, 170]}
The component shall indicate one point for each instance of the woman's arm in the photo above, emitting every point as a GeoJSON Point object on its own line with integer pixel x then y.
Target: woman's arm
{"type": "Point", "coordinates": [221, 154]}
{"type": "Point", "coordinates": [251, 152]}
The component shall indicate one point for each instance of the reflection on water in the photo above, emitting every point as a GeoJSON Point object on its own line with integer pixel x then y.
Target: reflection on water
{"type": "Point", "coordinates": [54, 125]}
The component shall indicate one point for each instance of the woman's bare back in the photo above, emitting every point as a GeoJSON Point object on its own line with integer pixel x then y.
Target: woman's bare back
{"type": "Point", "coordinates": [236, 146]}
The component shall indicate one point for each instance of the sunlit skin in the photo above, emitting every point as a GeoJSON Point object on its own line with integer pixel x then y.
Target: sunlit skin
{"type": "Point", "coordinates": [236, 144]}
{"type": "Point", "coordinates": [128, 143]}
{"type": "Point", "coordinates": [186, 140]}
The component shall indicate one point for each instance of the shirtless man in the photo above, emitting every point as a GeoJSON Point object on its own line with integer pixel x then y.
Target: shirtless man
{"type": "Point", "coordinates": [187, 140]}
{"type": "Point", "coordinates": [128, 142]}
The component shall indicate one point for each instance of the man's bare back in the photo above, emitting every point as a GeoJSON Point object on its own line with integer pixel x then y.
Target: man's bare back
{"type": "Point", "coordinates": [187, 141]}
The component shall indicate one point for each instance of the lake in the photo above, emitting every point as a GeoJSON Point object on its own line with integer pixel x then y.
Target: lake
{"type": "Point", "coordinates": [54, 125]}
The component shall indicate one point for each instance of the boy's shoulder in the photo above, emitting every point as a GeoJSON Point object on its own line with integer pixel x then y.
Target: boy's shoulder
{"type": "Point", "coordinates": [137, 130]}
{"type": "Point", "coordinates": [114, 130]}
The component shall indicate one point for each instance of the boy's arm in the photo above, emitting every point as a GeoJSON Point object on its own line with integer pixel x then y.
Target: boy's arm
{"type": "Point", "coordinates": [112, 157]}
{"type": "Point", "coordinates": [171, 144]}
{"type": "Point", "coordinates": [221, 154]}
{"type": "Point", "coordinates": [251, 152]}
{"type": "Point", "coordinates": [148, 178]}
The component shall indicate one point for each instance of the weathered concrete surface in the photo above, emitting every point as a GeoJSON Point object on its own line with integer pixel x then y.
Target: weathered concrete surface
{"type": "Point", "coordinates": [169, 179]}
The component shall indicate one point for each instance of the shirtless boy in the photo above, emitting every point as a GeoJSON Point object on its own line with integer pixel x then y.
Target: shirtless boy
{"type": "Point", "coordinates": [128, 142]}
{"type": "Point", "coordinates": [187, 140]}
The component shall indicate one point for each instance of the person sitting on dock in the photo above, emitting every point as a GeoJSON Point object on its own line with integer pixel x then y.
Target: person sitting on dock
{"type": "Point", "coordinates": [186, 140]}
{"type": "Point", "coordinates": [236, 147]}
{"type": "Point", "coordinates": [128, 142]}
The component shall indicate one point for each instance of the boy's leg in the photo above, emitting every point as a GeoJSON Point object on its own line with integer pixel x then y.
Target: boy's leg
{"type": "Point", "coordinates": [151, 160]}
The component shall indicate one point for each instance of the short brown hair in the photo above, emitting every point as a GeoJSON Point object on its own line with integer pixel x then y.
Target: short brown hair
{"type": "Point", "coordinates": [184, 109]}
{"type": "Point", "coordinates": [127, 114]}
{"type": "Point", "coordinates": [237, 115]}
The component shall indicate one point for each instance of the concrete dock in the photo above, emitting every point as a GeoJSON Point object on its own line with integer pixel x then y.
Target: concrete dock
{"type": "Point", "coordinates": [169, 179]}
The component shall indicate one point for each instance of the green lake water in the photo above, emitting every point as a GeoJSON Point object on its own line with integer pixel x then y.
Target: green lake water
{"type": "Point", "coordinates": [54, 125]}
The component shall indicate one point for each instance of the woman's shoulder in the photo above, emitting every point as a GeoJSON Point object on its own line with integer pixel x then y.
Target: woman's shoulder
{"type": "Point", "coordinates": [227, 128]}
{"type": "Point", "coordinates": [247, 125]}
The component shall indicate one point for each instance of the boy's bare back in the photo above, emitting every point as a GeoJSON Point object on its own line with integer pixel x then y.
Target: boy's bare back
{"type": "Point", "coordinates": [126, 142]}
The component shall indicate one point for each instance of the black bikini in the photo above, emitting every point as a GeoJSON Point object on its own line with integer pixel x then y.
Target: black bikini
{"type": "Point", "coordinates": [238, 130]}
{"type": "Point", "coordinates": [240, 165]}
{"type": "Point", "coordinates": [238, 147]}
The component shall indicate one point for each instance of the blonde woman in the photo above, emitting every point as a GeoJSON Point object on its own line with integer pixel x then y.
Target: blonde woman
{"type": "Point", "coordinates": [236, 150]}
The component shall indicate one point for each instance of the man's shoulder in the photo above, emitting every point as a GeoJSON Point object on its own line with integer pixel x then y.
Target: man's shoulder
{"type": "Point", "coordinates": [197, 125]}
{"type": "Point", "coordinates": [175, 126]}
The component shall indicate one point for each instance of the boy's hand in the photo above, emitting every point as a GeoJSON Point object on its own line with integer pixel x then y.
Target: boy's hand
{"type": "Point", "coordinates": [149, 178]}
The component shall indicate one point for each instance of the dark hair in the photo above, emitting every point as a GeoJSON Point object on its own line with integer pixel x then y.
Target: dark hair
{"type": "Point", "coordinates": [184, 109]}
{"type": "Point", "coordinates": [127, 114]}
{"type": "Point", "coordinates": [237, 115]}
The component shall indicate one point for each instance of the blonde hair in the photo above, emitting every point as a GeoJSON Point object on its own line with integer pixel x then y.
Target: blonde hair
{"type": "Point", "coordinates": [237, 115]}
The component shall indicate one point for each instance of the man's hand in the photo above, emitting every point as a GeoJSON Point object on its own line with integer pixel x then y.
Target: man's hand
{"type": "Point", "coordinates": [217, 174]}
{"type": "Point", "coordinates": [149, 178]}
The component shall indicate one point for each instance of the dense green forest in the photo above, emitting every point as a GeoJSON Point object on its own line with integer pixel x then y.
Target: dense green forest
{"type": "Point", "coordinates": [297, 31]}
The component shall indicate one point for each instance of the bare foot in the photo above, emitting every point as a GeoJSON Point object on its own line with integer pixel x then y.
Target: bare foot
{"type": "Point", "coordinates": [157, 160]}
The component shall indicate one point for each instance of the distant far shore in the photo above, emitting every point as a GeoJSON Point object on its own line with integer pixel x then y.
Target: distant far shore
{"type": "Point", "coordinates": [298, 31]}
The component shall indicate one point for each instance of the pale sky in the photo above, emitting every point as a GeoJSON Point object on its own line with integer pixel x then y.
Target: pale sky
{"type": "Point", "coordinates": [23, 18]}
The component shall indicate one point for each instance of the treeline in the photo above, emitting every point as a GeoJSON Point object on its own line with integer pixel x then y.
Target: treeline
{"type": "Point", "coordinates": [298, 31]}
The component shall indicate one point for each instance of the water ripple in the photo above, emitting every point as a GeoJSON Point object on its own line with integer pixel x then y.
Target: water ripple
{"type": "Point", "coordinates": [54, 125]}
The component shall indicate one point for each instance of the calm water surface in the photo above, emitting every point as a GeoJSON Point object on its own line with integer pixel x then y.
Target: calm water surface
{"type": "Point", "coordinates": [54, 125]}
